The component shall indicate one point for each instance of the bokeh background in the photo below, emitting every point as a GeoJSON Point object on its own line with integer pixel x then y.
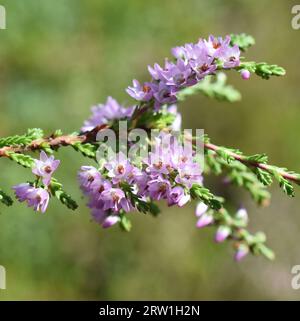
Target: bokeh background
{"type": "Point", "coordinates": [59, 57]}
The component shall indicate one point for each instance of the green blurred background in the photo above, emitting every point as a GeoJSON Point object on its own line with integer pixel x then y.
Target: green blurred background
{"type": "Point", "coordinates": [59, 57]}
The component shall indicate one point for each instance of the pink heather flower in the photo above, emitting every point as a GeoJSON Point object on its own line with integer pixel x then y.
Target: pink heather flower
{"type": "Point", "coordinates": [45, 166]}
{"type": "Point", "coordinates": [204, 220]}
{"type": "Point", "coordinates": [140, 92]}
{"type": "Point", "coordinates": [104, 218]}
{"type": "Point", "coordinates": [118, 168]}
{"type": "Point", "coordinates": [201, 209]}
{"type": "Point", "coordinates": [214, 45]}
{"type": "Point", "coordinates": [159, 188]}
{"type": "Point", "coordinates": [178, 75]}
{"type": "Point", "coordinates": [115, 200]}
{"type": "Point", "coordinates": [156, 72]}
{"type": "Point", "coordinates": [245, 74]}
{"type": "Point", "coordinates": [158, 163]}
{"type": "Point", "coordinates": [99, 214]}
{"type": "Point", "coordinates": [203, 63]}
{"type": "Point", "coordinates": [178, 52]}
{"type": "Point", "coordinates": [163, 94]}
{"type": "Point", "coordinates": [88, 178]}
{"type": "Point", "coordinates": [38, 198]}
{"type": "Point", "coordinates": [95, 194]}
{"type": "Point", "coordinates": [103, 113]}
{"type": "Point", "coordinates": [241, 252]}
{"type": "Point", "coordinates": [222, 233]}
{"type": "Point", "coordinates": [189, 174]}
{"type": "Point", "coordinates": [230, 56]}
{"type": "Point", "coordinates": [177, 196]}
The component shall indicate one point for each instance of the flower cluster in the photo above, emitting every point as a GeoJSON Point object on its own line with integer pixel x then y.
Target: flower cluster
{"type": "Point", "coordinates": [168, 172]}
{"type": "Point", "coordinates": [35, 196]}
{"type": "Point", "coordinates": [192, 63]}
{"type": "Point", "coordinates": [103, 113]}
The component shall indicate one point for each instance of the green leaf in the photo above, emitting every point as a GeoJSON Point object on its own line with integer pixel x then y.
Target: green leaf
{"type": "Point", "coordinates": [266, 252]}
{"type": "Point", "coordinates": [262, 69]}
{"type": "Point", "coordinates": [153, 209]}
{"type": "Point", "coordinates": [57, 191]}
{"type": "Point", "coordinates": [23, 140]}
{"type": "Point", "coordinates": [212, 87]}
{"type": "Point", "coordinates": [224, 153]}
{"type": "Point", "coordinates": [287, 187]}
{"type": "Point", "coordinates": [158, 120]}
{"type": "Point", "coordinates": [22, 159]}
{"type": "Point", "coordinates": [243, 41]}
{"type": "Point", "coordinates": [5, 199]}
{"type": "Point", "coordinates": [263, 176]}
{"type": "Point", "coordinates": [204, 194]}
{"type": "Point", "coordinates": [125, 222]}
{"type": "Point", "coordinates": [87, 149]}
{"type": "Point", "coordinates": [258, 158]}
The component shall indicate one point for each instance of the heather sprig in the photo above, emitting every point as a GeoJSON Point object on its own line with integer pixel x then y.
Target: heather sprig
{"type": "Point", "coordinates": [116, 186]}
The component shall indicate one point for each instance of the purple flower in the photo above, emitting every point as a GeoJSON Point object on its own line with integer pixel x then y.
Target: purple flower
{"type": "Point", "coordinates": [163, 94]}
{"type": "Point", "coordinates": [140, 92]}
{"type": "Point", "coordinates": [102, 114]}
{"type": "Point", "coordinates": [118, 168]}
{"type": "Point", "coordinates": [241, 252]}
{"type": "Point", "coordinates": [98, 214]}
{"type": "Point", "coordinates": [204, 220]}
{"type": "Point", "coordinates": [230, 56]}
{"type": "Point", "coordinates": [178, 52]}
{"type": "Point", "coordinates": [156, 72]}
{"type": "Point", "coordinates": [245, 74]}
{"type": "Point", "coordinates": [177, 196]}
{"type": "Point", "coordinates": [88, 177]}
{"type": "Point", "coordinates": [203, 63]}
{"type": "Point", "coordinates": [158, 163]}
{"type": "Point", "coordinates": [115, 200]}
{"type": "Point", "coordinates": [215, 45]}
{"type": "Point", "coordinates": [201, 209]}
{"type": "Point", "coordinates": [222, 233]}
{"type": "Point", "coordinates": [189, 174]}
{"type": "Point", "coordinates": [104, 218]}
{"type": "Point", "coordinates": [95, 194]}
{"type": "Point", "coordinates": [38, 198]}
{"type": "Point", "coordinates": [178, 75]}
{"type": "Point", "coordinates": [159, 188]}
{"type": "Point", "coordinates": [45, 166]}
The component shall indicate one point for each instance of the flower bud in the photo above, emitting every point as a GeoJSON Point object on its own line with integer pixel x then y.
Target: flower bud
{"type": "Point", "coordinates": [242, 215]}
{"type": "Point", "coordinates": [245, 74]}
{"type": "Point", "coordinates": [204, 220]}
{"type": "Point", "coordinates": [241, 252]}
{"type": "Point", "coordinates": [222, 233]}
{"type": "Point", "coordinates": [201, 209]}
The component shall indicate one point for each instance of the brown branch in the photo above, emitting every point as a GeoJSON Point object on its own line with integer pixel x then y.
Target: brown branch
{"type": "Point", "coordinates": [90, 137]}
{"type": "Point", "coordinates": [53, 142]}
{"type": "Point", "coordinates": [269, 168]}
